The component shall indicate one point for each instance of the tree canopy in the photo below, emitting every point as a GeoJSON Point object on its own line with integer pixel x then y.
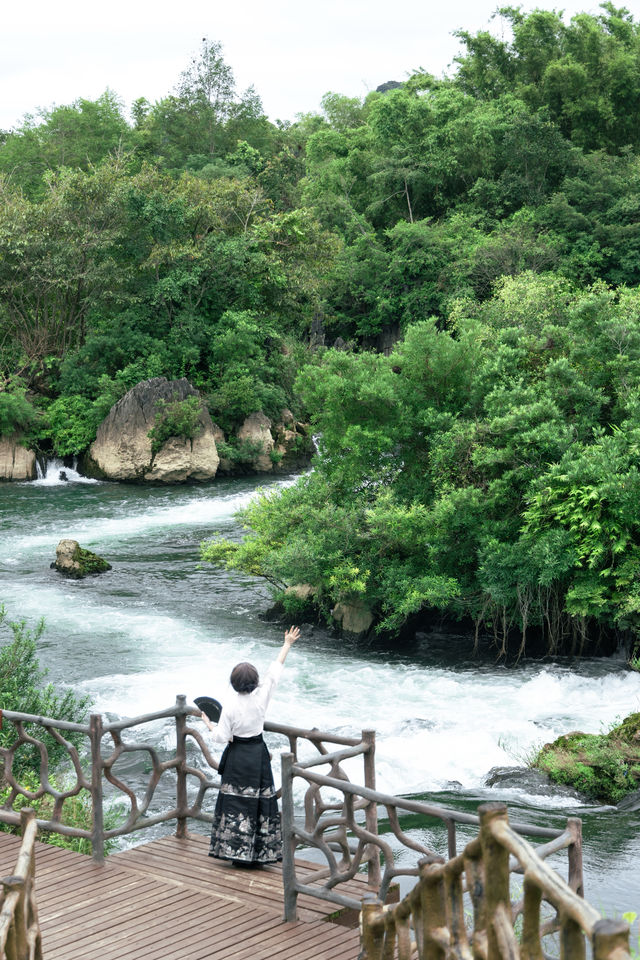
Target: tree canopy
{"type": "Point", "coordinates": [442, 275]}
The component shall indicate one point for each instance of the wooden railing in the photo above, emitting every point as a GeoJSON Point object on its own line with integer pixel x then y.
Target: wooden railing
{"type": "Point", "coordinates": [19, 929]}
{"type": "Point", "coordinates": [95, 771]}
{"type": "Point", "coordinates": [336, 824]}
{"type": "Point", "coordinates": [431, 922]}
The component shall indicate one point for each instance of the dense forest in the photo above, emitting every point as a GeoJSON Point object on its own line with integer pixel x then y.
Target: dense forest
{"type": "Point", "coordinates": [443, 277]}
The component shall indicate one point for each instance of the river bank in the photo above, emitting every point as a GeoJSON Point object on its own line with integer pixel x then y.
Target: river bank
{"type": "Point", "coordinates": [159, 624]}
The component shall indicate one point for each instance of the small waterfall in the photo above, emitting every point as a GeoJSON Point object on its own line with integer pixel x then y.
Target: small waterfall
{"type": "Point", "coordinates": [58, 471]}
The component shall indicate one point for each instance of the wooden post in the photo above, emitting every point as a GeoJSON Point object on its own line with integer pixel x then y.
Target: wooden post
{"type": "Point", "coordinates": [576, 882]}
{"type": "Point", "coordinates": [572, 944]}
{"type": "Point", "coordinates": [371, 813]}
{"type": "Point", "coordinates": [27, 815]}
{"type": "Point", "coordinates": [181, 769]}
{"type": "Point", "coordinates": [288, 840]}
{"type": "Point", "coordinates": [434, 915]}
{"type": "Point", "coordinates": [531, 947]}
{"type": "Point", "coordinates": [451, 839]}
{"type": "Point", "coordinates": [610, 935]}
{"type": "Point", "coordinates": [496, 872]}
{"type": "Point", "coordinates": [371, 941]}
{"type": "Point", "coordinates": [97, 832]}
{"type": "Point", "coordinates": [454, 907]}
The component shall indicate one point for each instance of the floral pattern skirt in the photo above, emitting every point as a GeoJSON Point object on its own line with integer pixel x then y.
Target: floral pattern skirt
{"type": "Point", "coordinates": [246, 822]}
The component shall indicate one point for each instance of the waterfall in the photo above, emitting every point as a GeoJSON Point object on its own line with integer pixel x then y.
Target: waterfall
{"type": "Point", "coordinates": [56, 471]}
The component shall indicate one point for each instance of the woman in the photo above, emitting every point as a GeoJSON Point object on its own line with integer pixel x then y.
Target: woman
{"type": "Point", "coordinates": [246, 822]}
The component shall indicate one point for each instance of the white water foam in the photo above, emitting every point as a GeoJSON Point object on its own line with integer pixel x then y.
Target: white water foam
{"type": "Point", "coordinates": [56, 474]}
{"type": "Point", "coordinates": [435, 724]}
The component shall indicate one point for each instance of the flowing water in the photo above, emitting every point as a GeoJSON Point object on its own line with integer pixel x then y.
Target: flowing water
{"type": "Point", "coordinates": [159, 624]}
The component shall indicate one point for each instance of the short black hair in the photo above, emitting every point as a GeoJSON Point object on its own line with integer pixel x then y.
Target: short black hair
{"type": "Point", "coordinates": [244, 678]}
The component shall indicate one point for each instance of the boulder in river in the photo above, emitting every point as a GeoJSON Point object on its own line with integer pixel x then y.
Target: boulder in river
{"type": "Point", "coordinates": [123, 449]}
{"type": "Point", "coordinates": [355, 618]}
{"type": "Point", "coordinates": [531, 781]}
{"type": "Point", "coordinates": [604, 766]}
{"type": "Point", "coordinates": [16, 461]}
{"type": "Point", "coordinates": [75, 562]}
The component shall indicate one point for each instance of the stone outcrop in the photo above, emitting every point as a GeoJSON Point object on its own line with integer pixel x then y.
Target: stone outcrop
{"type": "Point", "coordinates": [354, 618]}
{"type": "Point", "coordinates": [123, 450]}
{"type": "Point", "coordinates": [16, 462]}
{"type": "Point", "coordinates": [75, 562]}
{"type": "Point", "coordinates": [256, 430]}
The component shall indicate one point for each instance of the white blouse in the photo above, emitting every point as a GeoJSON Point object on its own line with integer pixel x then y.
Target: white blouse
{"type": "Point", "coordinates": [243, 713]}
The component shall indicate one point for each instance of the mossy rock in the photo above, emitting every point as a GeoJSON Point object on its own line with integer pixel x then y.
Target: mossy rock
{"type": "Point", "coordinates": [605, 767]}
{"type": "Point", "coordinates": [76, 562]}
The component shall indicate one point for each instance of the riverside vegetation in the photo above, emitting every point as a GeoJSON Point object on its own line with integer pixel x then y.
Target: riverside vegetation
{"type": "Point", "coordinates": [23, 688]}
{"type": "Point", "coordinates": [485, 223]}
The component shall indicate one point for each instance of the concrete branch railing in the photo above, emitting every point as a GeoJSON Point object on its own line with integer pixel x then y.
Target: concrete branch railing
{"type": "Point", "coordinates": [464, 909]}
{"type": "Point", "coordinates": [93, 770]}
{"type": "Point", "coordinates": [19, 928]}
{"type": "Point", "coordinates": [334, 824]}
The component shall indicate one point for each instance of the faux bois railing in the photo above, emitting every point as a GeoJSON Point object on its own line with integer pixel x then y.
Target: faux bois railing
{"type": "Point", "coordinates": [340, 817]}
{"type": "Point", "coordinates": [19, 928]}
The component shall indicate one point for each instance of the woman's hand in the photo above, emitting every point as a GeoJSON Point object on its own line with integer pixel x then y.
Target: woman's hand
{"type": "Point", "coordinates": [290, 638]}
{"type": "Point", "coordinates": [206, 721]}
{"type": "Point", "coordinates": [292, 634]}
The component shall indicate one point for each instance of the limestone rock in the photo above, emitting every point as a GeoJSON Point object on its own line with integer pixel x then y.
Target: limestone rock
{"type": "Point", "coordinates": [75, 562]}
{"type": "Point", "coordinates": [16, 462]}
{"type": "Point", "coordinates": [256, 430]}
{"type": "Point", "coordinates": [303, 591]}
{"type": "Point", "coordinates": [355, 618]}
{"type": "Point", "coordinates": [122, 449]}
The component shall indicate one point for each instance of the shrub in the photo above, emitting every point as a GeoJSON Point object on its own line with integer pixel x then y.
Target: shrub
{"type": "Point", "coordinates": [17, 415]}
{"type": "Point", "coordinates": [175, 418]}
{"type": "Point", "coordinates": [23, 689]}
{"type": "Point", "coordinates": [76, 812]}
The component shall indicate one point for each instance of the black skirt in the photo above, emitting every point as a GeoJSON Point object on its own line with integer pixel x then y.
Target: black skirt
{"type": "Point", "coordinates": [246, 822]}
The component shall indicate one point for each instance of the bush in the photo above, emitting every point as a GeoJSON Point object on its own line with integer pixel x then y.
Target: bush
{"type": "Point", "coordinates": [76, 812]}
{"type": "Point", "coordinates": [17, 415]}
{"type": "Point", "coordinates": [176, 418]}
{"type": "Point", "coordinates": [23, 689]}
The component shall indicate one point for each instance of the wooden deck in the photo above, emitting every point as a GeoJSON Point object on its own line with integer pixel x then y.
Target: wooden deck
{"type": "Point", "coordinates": [167, 900]}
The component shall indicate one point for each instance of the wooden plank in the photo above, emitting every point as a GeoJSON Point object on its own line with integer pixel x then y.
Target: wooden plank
{"type": "Point", "coordinates": [168, 855]}
{"type": "Point", "coordinates": [207, 935]}
{"type": "Point", "coordinates": [78, 924]}
{"type": "Point", "coordinates": [166, 946]}
{"type": "Point", "coordinates": [167, 900]}
{"type": "Point", "coordinates": [97, 940]}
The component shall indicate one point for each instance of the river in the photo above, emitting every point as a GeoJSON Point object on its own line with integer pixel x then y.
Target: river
{"type": "Point", "coordinates": [160, 624]}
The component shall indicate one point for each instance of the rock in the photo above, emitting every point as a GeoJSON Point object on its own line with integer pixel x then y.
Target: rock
{"type": "Point", "coordinates": [225, 465]}
{"type": "Point", "coordinates": [75, 562]}
{"type": "Point", "coordinates": [256, 430]}
{"type": "Point", "coordinates": [604, 766]}
{"type": "Point", "coordinates": [16, 462]}
{"type": "Point", "coordinates": [122, 449]}
{"type": "Point", "coordinates": [631, 802]}
{"type": "Point", "coordinates": [303, 591]}
{"type": "Point", "coordinates": [532, 781]}
{"type": "Point", "coordinates": [287, 418]}
{"type": "Point", "coordinates": [355, 618]}
{"type": "Point", "coordinates": [389, 85]}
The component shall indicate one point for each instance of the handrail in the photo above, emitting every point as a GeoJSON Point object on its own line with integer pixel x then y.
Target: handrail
{"type": "Point", "coordinates": [343, 826]}
{"type": "Point", "coordinates": [19, 928]}
{"type": "Point", "coordinates": [193, 779]}
{"type": "Point", "coordinates": [430, 920]}
{"type": "Point", "coordinates": [333, 827]}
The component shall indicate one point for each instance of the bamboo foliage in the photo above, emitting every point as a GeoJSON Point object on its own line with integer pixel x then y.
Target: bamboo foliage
{"type": "Point", "coordinates": [19, 928]}
{"type": "Point", "coordinates": [430, 924]}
